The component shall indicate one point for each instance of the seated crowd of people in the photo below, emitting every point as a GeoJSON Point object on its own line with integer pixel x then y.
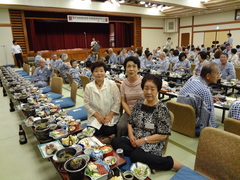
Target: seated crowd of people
{"type": "Point", "coordinates": [142, 128]}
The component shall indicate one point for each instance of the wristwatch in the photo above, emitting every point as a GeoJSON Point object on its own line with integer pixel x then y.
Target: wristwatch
{"type": "Point", "coordinates": [146, 140]}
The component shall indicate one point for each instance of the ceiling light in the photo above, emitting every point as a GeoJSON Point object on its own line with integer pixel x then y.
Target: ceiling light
{"type": "Point", "coordinates": [142, 2]}
{"type": "Point", "coordinates": [121, 1]}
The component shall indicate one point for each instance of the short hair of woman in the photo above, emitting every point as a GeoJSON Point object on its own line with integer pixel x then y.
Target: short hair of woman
{"type": "Point", "coordinates": [165, 50]}
{"type": "Point", "coordinates": [175, 52]}
{"type": "Point", "coordinates": [217, 54]}
{"type": "Point", "coordinates": [98, 64]}
{"type": "Point", "coordinates": [88, 64]}
{"type": "Point", "coordinates": [134, 59]}
{"type": "Point", "coordinates": [147, 55]}
{"type": "Point", "coordinates": [139, 52]}
{"type": "Point", "coordinates": [72, 61]}
{"type": "Point", "coordinates": [182, 55]}
{"type": "Point", "coordinates": [203, 55]}
{"type": "Point", "coordinates": [154, 78]}
{"type": "Point", "coordinates": [233, 50]}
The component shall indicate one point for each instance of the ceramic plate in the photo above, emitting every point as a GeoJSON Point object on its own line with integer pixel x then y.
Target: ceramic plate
{"type": "Point", "coordinates": [42, 148]}
{"type": "Point", "coordinates": [94, 174]}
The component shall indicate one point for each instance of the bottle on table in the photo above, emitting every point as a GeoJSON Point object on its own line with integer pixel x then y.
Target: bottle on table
{"type": "Point", "coordinates": [22, 135]}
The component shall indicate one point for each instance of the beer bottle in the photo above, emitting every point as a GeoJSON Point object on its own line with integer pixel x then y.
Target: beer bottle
{"type": "Point", "coordinates": [22, 135]}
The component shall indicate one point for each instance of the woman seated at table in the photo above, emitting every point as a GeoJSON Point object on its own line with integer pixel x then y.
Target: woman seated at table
{"type": "Point", "coordinates": [226, 68]}
{"type": "Point", "coordinates": [202, 60]}
{"type": "Point", "coordinates": [74, 72]}
{"type": "Point", "coordinates": [148, 126]}
{"type": "Point", "coordinates": [183, 65]}
{"type": "Point", "coordinates": [148, 62]}
{"type": "Point", "coordinates": [102, 101]}
{"type": "Point", "coordinates": [131, 91]}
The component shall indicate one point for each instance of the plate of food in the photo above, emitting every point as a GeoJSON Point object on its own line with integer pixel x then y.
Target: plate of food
{"type": "Point", "coordinates": [140, 170]}
{"type": "Point", "coordinates": [110, 160]}
{"type": "Point", "coordinates": [70, 139]}
{"type": "Point", "coordinates": [58, 134]}
{"type": "Point", "coordinates": [89, 131]}
{"type": "Point", "coordinates": [96, 170]}
{"type": "Point", "coordinates": [48, 149]}
{"type": "Point", "coordinates": [91, 142]}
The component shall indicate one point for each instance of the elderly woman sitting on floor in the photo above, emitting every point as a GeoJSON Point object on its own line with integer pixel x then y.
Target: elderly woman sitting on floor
{"type": "Point", "coordinates": [148, 126]}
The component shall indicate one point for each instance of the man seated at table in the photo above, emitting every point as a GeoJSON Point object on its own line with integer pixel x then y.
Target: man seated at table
{"type": "Point", "coordinates": [199, 86]}
{"type": "Point", "coordinates": [163, 63]}
{"type": "Point", "coordinates": [112, 57]}
{"type": "Point", "coordinates": [42, 74]}
{"type": "Point", "coordinates": [37, 58]}
{"type": "Point", "coordinates": [54, 60]}
{"type": "Point", "coordinates": [234, 111]}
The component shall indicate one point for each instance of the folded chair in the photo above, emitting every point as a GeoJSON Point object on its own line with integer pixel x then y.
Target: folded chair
{"type": "Point", "coordinates": [232, 126]}
{"type": "Point", "coordinates": [68, 101]}
{"type": "Point", "coordinates": [70, 80]}
{"type": "Point", "coordinates": [184, 118]}
{"type": "Point", "coordinates": [56, 88]}
{"type": "Point", "coordinates": [85, 80]}
{"type": "Point", "coordinates": [218, 157]}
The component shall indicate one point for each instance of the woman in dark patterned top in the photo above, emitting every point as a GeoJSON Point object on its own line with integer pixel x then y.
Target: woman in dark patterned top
{"type": "Point", "coordinates": [149, 125]}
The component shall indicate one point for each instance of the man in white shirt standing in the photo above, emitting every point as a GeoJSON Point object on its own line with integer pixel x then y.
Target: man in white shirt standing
{"type": "Point", "coordinates": [17, 52]}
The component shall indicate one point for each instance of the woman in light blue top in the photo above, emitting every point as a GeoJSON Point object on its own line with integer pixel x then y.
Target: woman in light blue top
{"type": "Point", "coordinates": [148, 63]}
{"type": "Point", "coordinates": [183, 65]}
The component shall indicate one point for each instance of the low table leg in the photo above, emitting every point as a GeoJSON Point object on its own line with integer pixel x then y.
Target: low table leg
{"type": "Point", "coordinates": [4, 92]}
{"type": "Point", "coordinates": [223, 115]}
{"type": "Point", "coordinates": [12, 109]}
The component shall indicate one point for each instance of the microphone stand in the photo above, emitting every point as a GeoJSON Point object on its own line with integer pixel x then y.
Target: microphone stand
{"type": "Point", "coordinates": [85, 34]}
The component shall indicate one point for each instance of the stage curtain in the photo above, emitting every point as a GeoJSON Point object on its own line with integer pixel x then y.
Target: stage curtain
{"type": "Point", "coordinates": [123, 35]}
{"type": "Point", "coordinates": [55, 35]}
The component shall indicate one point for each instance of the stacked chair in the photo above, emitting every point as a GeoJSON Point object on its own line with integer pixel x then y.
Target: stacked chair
{"type": "Point", "coordinates": [67, 102]}
{"type": "Point", "coordinates": [218, 157]}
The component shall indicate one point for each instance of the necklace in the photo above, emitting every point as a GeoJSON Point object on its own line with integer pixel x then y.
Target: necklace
{"type": "Point", "coordinates": [99, 85]}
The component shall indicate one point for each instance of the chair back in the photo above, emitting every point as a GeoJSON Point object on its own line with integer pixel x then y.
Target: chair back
{"type": "Point", "coordinates": [85, 80]}
{"type": "Point", "coordinates": [171, 64]}
{"type": "Point", "coordinates": [24, 66]}
{"type": "Point", "coordinates": [218, 154]}
{"type": "Point", "coordinates": [28, 69]}
{"type": "Point", "coordinates": [74, 88]}
{"type": "Point", "coordinates": [70, 80]}
{"type": "Point", "coordinates": [184, 118]}
{"type": "Point", "coordinates": [237, 69]}
{"type": "Point", "coordinates": [33, 69]}
{"type": "Point", "coordinates": [55, 71]}
{"type": "Point", "coordinates": [167, 139]}
{"type": "Point", "coordinates": [61, 75]}
{"type": "Point", "coordinates": [56, 85]}
{"type": "Point", "coordinates": [232, 125]}
{"type": "Point", "coordinates": [192, 68]}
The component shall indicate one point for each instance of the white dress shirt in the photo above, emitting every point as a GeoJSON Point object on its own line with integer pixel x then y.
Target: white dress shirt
{"type": "Point", "coordinates": [102, 101]}
{"type": "Point", "coordinates": [16, 49]}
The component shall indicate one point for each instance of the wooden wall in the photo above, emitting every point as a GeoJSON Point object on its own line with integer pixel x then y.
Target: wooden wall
{"type": "Point", "coordinates": [78, 54]}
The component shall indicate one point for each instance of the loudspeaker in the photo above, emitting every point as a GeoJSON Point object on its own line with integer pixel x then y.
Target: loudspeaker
{"type": "Point", "coordinates": [96, 47]}
{"type": "Point", "coordinates": [170, 25]}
